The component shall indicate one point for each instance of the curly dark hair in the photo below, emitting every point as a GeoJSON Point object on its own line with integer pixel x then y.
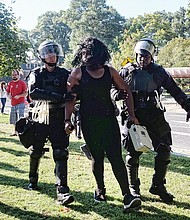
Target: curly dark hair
{"type": "Point", "coordinates": [98, 50]}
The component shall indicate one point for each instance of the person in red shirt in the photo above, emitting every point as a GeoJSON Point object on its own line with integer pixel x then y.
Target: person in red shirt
{"type": "Point", "coordinates": [17, 92]}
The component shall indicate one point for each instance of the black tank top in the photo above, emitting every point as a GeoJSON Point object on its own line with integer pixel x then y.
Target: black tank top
{"type": "Point", "coordinates": [95, 94]}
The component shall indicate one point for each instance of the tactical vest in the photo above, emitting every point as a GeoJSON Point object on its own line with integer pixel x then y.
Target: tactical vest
{"type": "Point", "coordinates": [52, 82]}
{"type": "Point", "coordinates": [144, 89]}
{"type": "Point", "coordinates": [142, 81]}
{"type": "Point", "coordinates": [47, 86]}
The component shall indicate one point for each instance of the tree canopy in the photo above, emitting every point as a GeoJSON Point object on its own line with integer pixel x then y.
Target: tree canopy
{"type": "Point", "coordinates": [162, 28]}
{"type": "Point", "coordinates": [51, 25]}
{"type": "Point", "coordinates": [12, 47]}
{"type": "Point", "coordinates": [176, 53]}
{"type": "Point", "coordinates": [95, 18]}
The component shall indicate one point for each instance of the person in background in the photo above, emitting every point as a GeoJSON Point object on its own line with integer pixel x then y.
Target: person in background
{"type": "Point", "coordinates": [146, 81]}
{"type": "Point", "coordinates": [3, 96]}
{"type": "Point", "coordinates": [47, 90]}
{"type": "Point", "coordinates": [92, 79]}
{"type": "Point", "coordinates": [17, 92]}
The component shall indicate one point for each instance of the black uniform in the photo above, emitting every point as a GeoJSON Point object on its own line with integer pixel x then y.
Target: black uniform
{"type": "Point", "coordinates": [45, 86]}
{"type": "Point", "coordinates": [146, 86]}
{"type": "Point", "coordinates": [100, 129]}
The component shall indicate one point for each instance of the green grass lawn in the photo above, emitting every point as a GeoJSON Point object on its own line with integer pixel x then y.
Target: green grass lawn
{"type": "Point", "coordinates": [18, 203]}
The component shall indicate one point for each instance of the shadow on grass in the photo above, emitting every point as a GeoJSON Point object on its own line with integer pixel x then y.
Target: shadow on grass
{"type": "Point", "coordinates": [44, 188]}
{"type": "Point", "coordinates": [108, 210]}
{"type": "Point", "coordinates": [23, 215]}
{"type": "Point", "coordinates": [179, 164]}
{"type": "Point", "coordinates": [14, 152]}
{"type": "Point", "coordinates": [9, 167]}
{"type": "Point", "coordinates": [156, 199]}
{"type": "Point", "coordinates": [86, 205]}
{"type": "Point", "coordinates": [11, 139]}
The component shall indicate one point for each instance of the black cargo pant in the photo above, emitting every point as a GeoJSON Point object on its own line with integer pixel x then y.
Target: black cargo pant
{"type": "Point", "coordinates": [55, 133]}
{"type": "Point", "coordinates": [160, 134]}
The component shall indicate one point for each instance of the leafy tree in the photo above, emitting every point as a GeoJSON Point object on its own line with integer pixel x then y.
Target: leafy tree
{"type": "Point", "coordinates": [51, 25]}
{"type": "Point", "coordinates": [188, 9]}
{"type": "Point", "coordinates": [126, 50]}
{"type": "Point", "coordinates": [12, 45]}
{"type": "Point", "coordinates": [179, 23]}
{"type": "Point", "coordinates": [175, 53]}
{"type": "Point", "coordinates": [161, 27]}
{"type": "Point", "coordinates": [188, 19]}
{"type": "Point", "coordinates": [94, 18]}
{"type": "Point", "coordinates": [156, 26]}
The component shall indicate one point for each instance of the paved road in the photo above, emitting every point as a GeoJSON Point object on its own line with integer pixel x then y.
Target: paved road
{"type": "Point", "coordinates": [176, 116]}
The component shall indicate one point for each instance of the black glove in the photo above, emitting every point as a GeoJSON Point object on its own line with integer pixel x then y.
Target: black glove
{"type": "Point", "coordinates": [122, 95]}
{"type": "Point", "coordinates": [186, 104]}
{"type": "Point", "coordinates": [69, 96]}
{"type": "Point", "coordinates": [188, 116]}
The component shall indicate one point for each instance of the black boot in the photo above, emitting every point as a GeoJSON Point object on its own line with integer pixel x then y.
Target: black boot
{"type": "Point", "coordinates": [63, 196]}
{"type": "Point", "coordinates": [158, 181]}
{"type": "Point", "coordinates": [33, 174]}
{"type": "Point", "coordinates": [134, 181]}
{"type": "Point", "coordinates": [160, 190]}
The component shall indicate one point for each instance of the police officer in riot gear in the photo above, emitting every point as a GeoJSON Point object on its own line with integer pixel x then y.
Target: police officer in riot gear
{"type": "Point", "coordinates": [47, 88]}
{"type": "Point", "coordinates": [146, 80]}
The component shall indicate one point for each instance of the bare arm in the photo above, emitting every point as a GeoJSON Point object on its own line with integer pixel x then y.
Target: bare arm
{"type": "Point", "coordinates": [72, 81]}
{"type": "Point", "coordinates": [121, 84]}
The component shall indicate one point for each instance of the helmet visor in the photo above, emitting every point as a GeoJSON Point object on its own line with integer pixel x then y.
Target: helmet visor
{"type": "Point", "coordinates": [49, 51]}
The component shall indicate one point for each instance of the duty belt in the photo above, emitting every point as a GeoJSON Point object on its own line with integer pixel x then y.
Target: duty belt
{"type": "Point", "coordinates": [142, 94]}
{"type": "Point", "coordinates": [144, 100]}
{"type": "Point", "coordinates": [56, 105]}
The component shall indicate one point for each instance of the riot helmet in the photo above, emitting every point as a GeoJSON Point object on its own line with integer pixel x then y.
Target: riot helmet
{"type": "Point", "coordinates": [145, 46]}
{"type": "Point", "coordinates": [49, 48]}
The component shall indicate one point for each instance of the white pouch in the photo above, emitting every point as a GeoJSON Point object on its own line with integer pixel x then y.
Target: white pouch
{"type": "Point", "coordinates": [140, 138]}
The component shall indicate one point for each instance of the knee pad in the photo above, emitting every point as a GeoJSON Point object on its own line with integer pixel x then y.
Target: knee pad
{"type": "Point", "coordinates": [60, 154]}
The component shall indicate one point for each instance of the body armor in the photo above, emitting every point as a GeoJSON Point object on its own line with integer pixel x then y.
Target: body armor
{"type": "Point", "coordinates": [49, 87]}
